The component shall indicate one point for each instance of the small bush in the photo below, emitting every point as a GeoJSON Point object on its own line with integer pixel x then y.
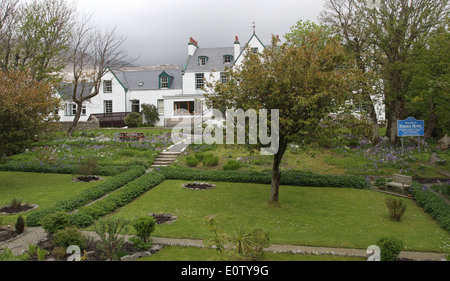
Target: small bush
{"type": "Point", "coordinates": [140, 244]}
{"type": "Point", "coordinates": [144, 227]}
{"type": "Point", "coordinates": [20, 224]}
{"type": "Point", "coordinates": [41, 253]}
{"type": "Point", "coordinates": [111, 230]}
{"type": "Point", "coordinates": [55, 221]}
{"type": "Point", "coordinates": [59, 252]}
{"type": "Point", "coordinates": [210, 160]}
{"type": "Point", "coordinates": [396, 208]}
{"type": "Point", "coordinates": [380, 182]}
{"type": "Point", "coordinates": [192, 161]}
{"type": "Point", "coordinates": [87, 166]}
{"type": "Point", "coordinates": [231, 165]}
{"type": "Point", "coordinates": [16, 204]}
{"type": "Point", "coordinates": [70, 236]}
{"type": "Point", "coordinates": [7, 255]}
{"type": "Point", "coordinates": [200, 156]}
{"type": "Point", "coordinates": [133, 119]}
{"type": "Point", "coordinates": [249, 243]}
{"type": "Point", "coordinates": [390, 248]}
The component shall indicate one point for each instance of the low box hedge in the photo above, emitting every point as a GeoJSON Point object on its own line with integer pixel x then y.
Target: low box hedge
{"type": "Point", "coordinates": [60, 168]}
{"type": "Point", "coordinates": [432, 204]}
{"type": "Point", "coordinates": [132, 190]}
{"type": "Point", "coordinates": [87, 195]}
{"type": "Point", "coordinates": [295, 178]}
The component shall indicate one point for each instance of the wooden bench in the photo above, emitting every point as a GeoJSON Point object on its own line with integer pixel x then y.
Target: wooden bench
{"type": "Point", "coordinates": [400, 181]}
{"type": "Point", "coordinates": [127, 135]}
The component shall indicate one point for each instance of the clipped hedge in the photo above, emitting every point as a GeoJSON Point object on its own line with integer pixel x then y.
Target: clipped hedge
{"type": "Point", "coordinates": [87, 195]}
{"type": "Point", "coordinates": [432, 204]}
{"type": "Point", "coordinates": [60, 168]}
{"type": "Point", "coordinates": [88, 214]}
{"type": "Point", "coordinates": [295, 178]}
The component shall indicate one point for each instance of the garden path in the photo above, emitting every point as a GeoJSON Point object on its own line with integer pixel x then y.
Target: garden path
{"type": "Point", "coordinates": [32, 235]}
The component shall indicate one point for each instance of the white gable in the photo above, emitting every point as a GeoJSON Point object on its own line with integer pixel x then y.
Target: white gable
{"type": "Point", "coordinates": [253, 45]}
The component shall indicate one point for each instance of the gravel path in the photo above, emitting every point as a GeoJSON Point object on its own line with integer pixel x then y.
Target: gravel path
{"type": "Point", "coordinates": [32, 235]}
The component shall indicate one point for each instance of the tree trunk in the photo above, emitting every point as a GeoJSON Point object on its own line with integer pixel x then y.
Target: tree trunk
{"type": "Point", "coordinates": [276, 173]}
{"type": "Point", "coordinates": [429, 125]}
{"type": "Point", "coordinates": [75, 120]}
{"type": "Point", "coordinates": [373, 119]}
{"type": "Point", "coordinates": [394, 113]}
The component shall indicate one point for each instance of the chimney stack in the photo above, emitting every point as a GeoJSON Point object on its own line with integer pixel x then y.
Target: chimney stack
{"type": "Point", "coordinates": [192, 46]}
{"type": "Point", "coordinates": [237, 48]}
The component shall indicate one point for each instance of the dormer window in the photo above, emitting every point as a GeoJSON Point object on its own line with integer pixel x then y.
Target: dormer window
{"type": "Point", "coordinates": [202, 60]}
{"type": "Point", "coordinates": [227, 58]}
{"type": "Point", "coordinates": [165, 80]}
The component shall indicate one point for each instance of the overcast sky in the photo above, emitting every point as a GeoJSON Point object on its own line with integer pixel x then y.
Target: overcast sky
{"type": "Point", "coordinates": [159, 30]}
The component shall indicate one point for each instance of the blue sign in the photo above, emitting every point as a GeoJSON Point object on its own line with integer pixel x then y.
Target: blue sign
{"type": "Point", "coordinates": [410, 127]}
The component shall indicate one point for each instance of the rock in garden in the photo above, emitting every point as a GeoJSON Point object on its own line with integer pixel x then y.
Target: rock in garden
{"type": "Point", "coordinates": [443, 143]}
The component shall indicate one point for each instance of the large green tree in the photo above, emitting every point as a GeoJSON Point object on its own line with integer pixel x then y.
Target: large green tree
{"type": "Point", "coordinates": [306, 78]}
{"type": "Point", "coordinates": [428, 95]}
{"type": "Point", "coordinates": [27, 110]}
{"type": "Point", "coordinates": [390, 29]}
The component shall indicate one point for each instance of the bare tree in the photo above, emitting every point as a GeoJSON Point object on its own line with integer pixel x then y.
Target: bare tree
{"type": "Point", "coordinates": [35, 36]}
{"type": "Point", "coordinates": [8, 21]}
{"type": "Point", "coordinates": [94, 52]}
{"type": "Point", "coordinates": [347, 18]}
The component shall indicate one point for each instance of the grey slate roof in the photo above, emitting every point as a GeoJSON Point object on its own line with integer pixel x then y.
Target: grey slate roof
{"type": "Point", "coordinates": [65, 90]}
{"type": "Point", "coordinates": [147, 79]}
{"type": "Point", "coordinates": [215, 59]}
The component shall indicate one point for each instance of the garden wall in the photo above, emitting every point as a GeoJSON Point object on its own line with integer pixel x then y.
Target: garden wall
{"type": "Point", "coordinates": [82, 125]}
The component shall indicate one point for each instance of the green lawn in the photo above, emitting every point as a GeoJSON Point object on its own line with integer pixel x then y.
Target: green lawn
{"type": "Point", "coordinates": [35, 188]}
{"type": "Point", "coordinates": [333, 217]}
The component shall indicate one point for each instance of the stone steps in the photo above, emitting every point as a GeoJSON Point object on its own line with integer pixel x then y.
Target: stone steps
{"type": "Point", "coordinates": [165, 158]}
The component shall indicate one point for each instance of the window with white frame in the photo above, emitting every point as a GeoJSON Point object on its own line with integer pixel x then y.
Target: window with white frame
{"type": "Point", "coordinates": [199, 82]}
{"type": "Point", "coordinates": [107, 86]}
{"type": "Point", "coordinates": [71, 109]}
{"type": "Point", "coordinates": [164, 82]}
{"type": "Point", "coordinates": [227, 58]}
{"type": "Point", "coordinates": [202, 60]}
{"type": "Point", "coordinates": [107, 106]}
{"type": "Point", "coordinates": [160, 106]}
{"type": "Point", "coordinates": [223, 77]}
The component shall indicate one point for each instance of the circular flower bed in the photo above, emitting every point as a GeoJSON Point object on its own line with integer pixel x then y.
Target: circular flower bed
{"type": "Point", "coordinates": [161, 218]}
{"type": "Point", "coordinates": [10, 209]}
{"type": "Point", "coordinates": [198, 185]}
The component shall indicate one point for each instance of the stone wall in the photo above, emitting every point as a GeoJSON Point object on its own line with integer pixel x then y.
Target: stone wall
{"type": "Point", "coordinates": [91, 124]}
